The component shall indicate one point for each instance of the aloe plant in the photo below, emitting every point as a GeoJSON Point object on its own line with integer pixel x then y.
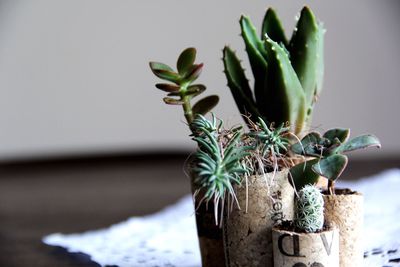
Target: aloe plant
{"type": "Point", "coordinates": [287, 74]}
{"type": "Point", "coordinates": [180, 87]}
{"type": "Point", "coordinates": [218, 161]}
{"type": "Point", "coordinates": [309, 210]}
{"type": "Point", "coordinates": [325, 155]}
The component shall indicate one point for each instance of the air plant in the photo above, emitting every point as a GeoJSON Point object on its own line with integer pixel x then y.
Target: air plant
{"type": "Point", "coordinates": [309, 210]}
{"type": "Point", "coordinates": [180, 87]}
{"type": "Point", "coordinates": [287, 74]}
{"type": "Point", "coordinates": [218, 162]}
{"type": "Point", "coordinates": [325, 155]}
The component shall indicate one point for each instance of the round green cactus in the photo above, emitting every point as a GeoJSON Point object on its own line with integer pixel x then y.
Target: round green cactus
{"type": "Point", "coordinates": [309, 209]}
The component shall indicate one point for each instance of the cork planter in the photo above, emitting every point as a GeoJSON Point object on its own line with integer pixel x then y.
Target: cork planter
{"type": "Point", "coordinates": [294, 249]}
{"type": "Point", "coordinates": [345, 210]}
{"type": "Point", "coordinates": [209, 234]}
{"type": "Point", "coordinates": [247, 234]}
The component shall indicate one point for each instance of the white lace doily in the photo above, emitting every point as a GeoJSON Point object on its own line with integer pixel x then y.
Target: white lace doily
{"type": "Point", "coordinates": [168, 238]}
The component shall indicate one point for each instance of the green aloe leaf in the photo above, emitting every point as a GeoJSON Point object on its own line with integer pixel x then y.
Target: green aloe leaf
{"type": "Point", "coordinates": [186, 60]}
{"type": "Point", "coordinates": [166, 87]}
{"type": "Point", "coordinates": [238, 83]}
{"type": "Point", "coordinates": [359, 142]}
{"type": "Point", "coordinates": [341, 134]}
{"type": "Point", "coordinates": [205, 105]}
{"type": "Point", "coordinates": [302, 174]}
{"type": "Point", "coordinates": [284, 97]}
{"type": "Point", "coordinates": [331, 167]}
{"type": "Point", "coordinates": [273, 28]}
{"type": "Point", "coordinates": [306, 51]}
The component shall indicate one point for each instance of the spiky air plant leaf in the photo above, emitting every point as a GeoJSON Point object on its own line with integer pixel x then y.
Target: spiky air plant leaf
{"type": "Point", "coordinates": [270, 141]}
{"type": "Point", "coordinates": [309, 209]}
{"type": "Point", "coordinates": [287, 75]}
{"type": "Point", "coordinates": [181, 90]}
{"type": "Point", "coordinates": [218, 162]}
{"type": "Point", "coordinates": [327, 153]}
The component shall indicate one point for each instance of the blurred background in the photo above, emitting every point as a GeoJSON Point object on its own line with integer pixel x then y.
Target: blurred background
{"type": "Point", "coordinates": [85, 138]}
{"type": "Point", "coordinates": [74, 75]}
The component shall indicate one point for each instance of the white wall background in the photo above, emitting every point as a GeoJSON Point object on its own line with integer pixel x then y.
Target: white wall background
{"type": "Point", "coordinates": [74, 75]}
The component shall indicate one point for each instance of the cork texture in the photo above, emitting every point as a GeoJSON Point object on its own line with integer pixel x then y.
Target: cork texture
{"type": "Point", "coordinates": [306, 249]}
{"type": "Point", "coordinates": [346, 212]}
{"type": "Point", "coordinates": [247, 235]}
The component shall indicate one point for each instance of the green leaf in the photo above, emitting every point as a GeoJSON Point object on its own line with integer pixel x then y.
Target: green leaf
{"type": "Point", "coordinates": [331, 167]}
{"type": "Point", "coordinates": [308, 144]}
{"type": "Point", "coordinates": [205, 105]}
{"type": "Point", "coordinates": [164, 72]}
{"type": "Point", "coordinates": [193, 72]}
{"type": "Point", "coordinates": [172, 101]}
{"type": "Point", "coordinates": [284, 97]}
{"type": "Point", "coordinates": [238, 83]}
{"type": "Point", "coordinates": [166, 87]}
{"type": "Point", "coordinates": [273, 28]}
{"type": "Point", "coordinates": [186, 60]}
{"type": "Point", "coordinates": [195, 90]}
{"type": "Point", "coordinates": [306, 51]}
{"type": "Point", "coordinates": [302, 174]}
{"type": "Point", "coordinates": [340, 133]}
{"type": "Point", "coordinates": [359, 142]}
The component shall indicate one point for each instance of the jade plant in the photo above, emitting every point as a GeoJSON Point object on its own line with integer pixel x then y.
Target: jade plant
{"type": "Point", "coordinates": [325, 155]}
{"type": "Point", "coordinates": [218, 161]}
{"type": "Point", "coordinates": [309, 210]}
{"type": "Point", "coordinates": [180, 84]}
{"type": "Point", "coordinates": [287, 73]}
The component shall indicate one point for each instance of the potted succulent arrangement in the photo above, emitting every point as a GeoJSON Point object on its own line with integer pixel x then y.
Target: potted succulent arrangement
{"type": "Point", "coordinates": [246, 181]}
{"type": "Point", "coordinates": [307, 240]}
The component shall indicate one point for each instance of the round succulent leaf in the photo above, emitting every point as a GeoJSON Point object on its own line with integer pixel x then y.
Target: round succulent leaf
{"type": "Point", "coordinates": [341, 134]}
{"type": "Point", "coordinates": [157, 66]}
{"type": "Point", "coordinates": [193, 72]}
{"type": "Point", "coordinates": [302, 174]}
{"type": "Point", "coordinates": [166, 87]}
{"type": "Point", "coordinates": [359, 142]}
{"type": "Point", "coordinates": [308, 145]}
{"type": "Point", "coordinates": [172, 101]}
{"type": "Point", "coordinates": [331, 167]}
{"type": "Point", "coordinates": [165, 74]}
{"type": "Point", "coordinates": [195, 90]}
{"type": "Point", "coordinates": [186, 60]}
{"type": "Point", "coordinates": [205, 105]}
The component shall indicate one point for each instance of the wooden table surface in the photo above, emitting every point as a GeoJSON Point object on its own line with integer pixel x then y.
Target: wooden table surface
{"type": "Point", "coordinates": [77, 194]}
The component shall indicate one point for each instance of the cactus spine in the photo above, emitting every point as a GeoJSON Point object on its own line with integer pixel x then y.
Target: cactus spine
{"type": "Point", "coordinates": [287, 75]}
{"type": "Point", "coordinates": [309, 210]}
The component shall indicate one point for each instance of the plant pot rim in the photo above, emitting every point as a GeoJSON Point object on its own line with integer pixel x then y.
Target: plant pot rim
{"type": "Point", "coordinates": [326, 229]}
{"type": "Point", "coordinates": [342, 192]}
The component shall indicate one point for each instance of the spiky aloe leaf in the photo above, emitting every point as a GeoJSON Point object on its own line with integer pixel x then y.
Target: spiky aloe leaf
{"type": "Point", "coordinates": [340, 133]}
{"type": "Point", "coordinates": [238, 83]}
{"type": "Point", "coordinates": [284, 97]}
{"type": "Point", "coordinates": [205, 105]}
{"type": "Point", "coordinates": [359, 142]}
{"type": "Point", "coordinates": [306, 51]}
{"type": "Point", "coordinates": [331, 167]}
{"type": "Point", "coordinates": [273, 28]}
{"type": "Point", "coordinates": [186, 60]}
{"type": "Point", "coordinates": [302, 174]}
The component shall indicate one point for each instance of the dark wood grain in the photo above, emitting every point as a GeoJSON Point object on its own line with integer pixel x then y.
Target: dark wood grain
{"type": "Point", "coordinates": [77, 194]}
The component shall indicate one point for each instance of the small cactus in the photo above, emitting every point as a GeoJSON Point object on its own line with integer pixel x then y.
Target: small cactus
{"type": "Point", "coordinates": [287, 75]}
{"type": "Point", "coordinates": [309, 210]}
